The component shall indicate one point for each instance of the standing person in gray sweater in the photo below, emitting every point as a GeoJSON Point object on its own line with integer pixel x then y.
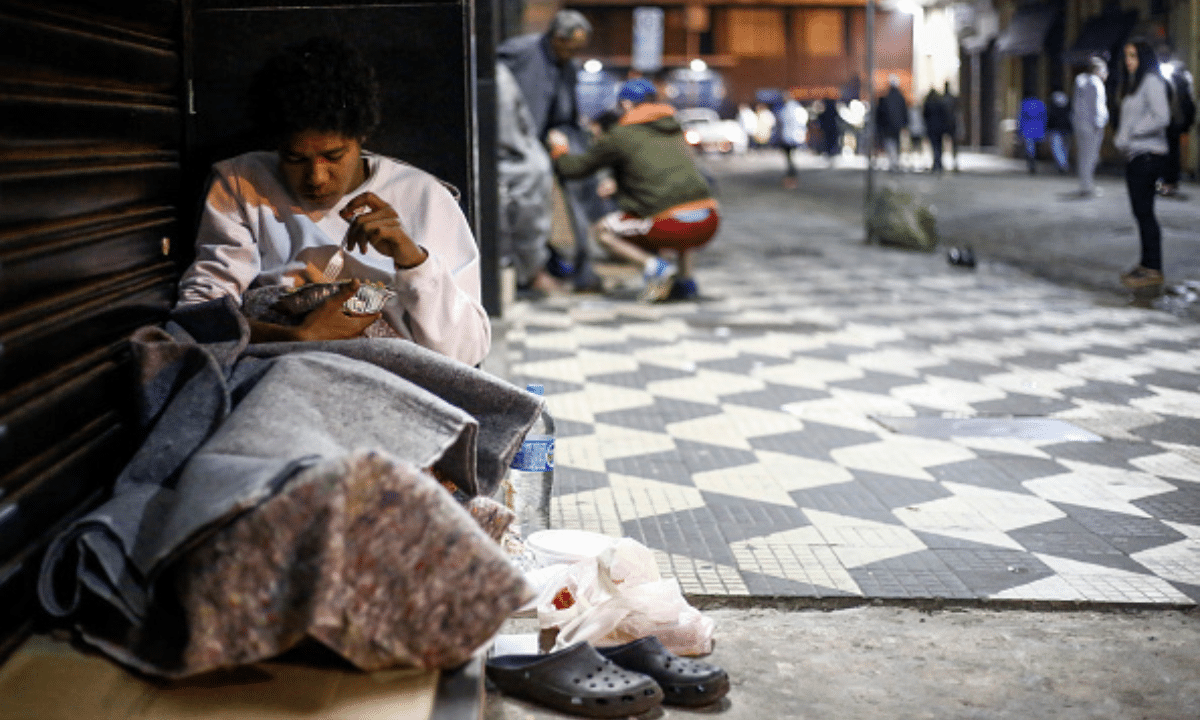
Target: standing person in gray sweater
{"type": "Point", "coordinates": [1142, 136]}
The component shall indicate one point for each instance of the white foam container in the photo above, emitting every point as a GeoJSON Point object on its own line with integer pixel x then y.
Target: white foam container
{"type": "Point", "coordinates": [553, 547]}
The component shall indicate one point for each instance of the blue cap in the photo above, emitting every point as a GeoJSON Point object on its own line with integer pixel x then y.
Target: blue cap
{"type": "Point", "coordinates": [636, 91]}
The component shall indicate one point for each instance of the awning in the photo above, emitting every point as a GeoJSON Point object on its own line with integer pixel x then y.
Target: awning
{"type": "Point", "coordinates": [1102, 34]}
{"type": "Point", "coordinates": [1026, 33]}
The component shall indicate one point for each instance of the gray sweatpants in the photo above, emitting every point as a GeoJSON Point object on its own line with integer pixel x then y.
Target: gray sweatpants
{"type": "Point", "coordinates": [1087, 147]}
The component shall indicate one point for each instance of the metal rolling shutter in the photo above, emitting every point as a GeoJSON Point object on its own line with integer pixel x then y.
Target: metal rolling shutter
{"type": "Point", "coordinates": [90, 142]}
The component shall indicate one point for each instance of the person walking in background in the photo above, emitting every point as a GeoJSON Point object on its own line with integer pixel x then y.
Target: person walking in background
{"type": "Point", "coordinates": [1142, 123]}
{"type": "Point", "coordinates": [1032, 126]}
{"type": "Point", "coordinates": [1089, 116]}
{"type": "Point", "coordinates": [1183, 114]}
{"type": "Point", "coordinates": [891, 118]}
{"type": "Point", "coordinates": [936, 112]}
{"type": "Point", "coordinates": [1058, 129]}
{"type": "Point", "coordinates": [764, 128]}
{"type": "Point", "coordinates": [916, 134]}
{"type": "Point", "coordinates": [831, 128]}
{"type": "Point", "coordinates": [952, 117]}
{"type": "Point", "coordinates": [793, 133]}
{"type": "Point", "coordinates": [748, 119]}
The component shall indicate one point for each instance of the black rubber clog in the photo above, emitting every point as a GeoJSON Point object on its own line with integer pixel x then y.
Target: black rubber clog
{"type": "Point", "coordinates": [690, 683]}
{"type": "Point", "coordinates": [576, 680]}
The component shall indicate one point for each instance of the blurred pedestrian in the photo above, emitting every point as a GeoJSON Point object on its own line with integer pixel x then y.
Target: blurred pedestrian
{"type": "Point", "coordinates": [955, 126]}
{"type": "Point", "coordinates": [1183, 114]}
{"type": "Point", "coordinates": [793, 133]}
{"type": "Point", "coordinates": [891, 118]}
{"type": "Point", "coordinates": [545, 68]}
{"type": "Point", "coordinates": [1142, 123]}
{"type": "Point", "coordinates": [748, 119]}
{"type": "Point", "coordinates": [526, 180]}
{"type": "Point", "coordinates": [1058, 129]}
{"type": "Point", "coordinates": [764, 126]}
{"type": "Point", "coordinates": [831, 128]}
{"type": "Point", "coordinates": [1032, 125]}
{"type": "Point", "coordinates": [936, 113]}
{"type": "Point", "coordinates": [916, 134]}
{"type": "Point", "coordinates": [1089, 116]}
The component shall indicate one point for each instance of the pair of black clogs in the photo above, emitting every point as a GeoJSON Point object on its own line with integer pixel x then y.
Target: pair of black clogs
{"type": "Point", "coordinates": [609, 682]}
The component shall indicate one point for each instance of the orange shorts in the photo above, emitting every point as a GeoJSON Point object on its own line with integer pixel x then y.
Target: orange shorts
{"type": "Point", "coordinates": [684, 230]}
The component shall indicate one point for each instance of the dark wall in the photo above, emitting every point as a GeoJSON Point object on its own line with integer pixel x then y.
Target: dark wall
{"type": "Point", "coordinates": [417, 52]}
{"type": "Point", "coordinates": [90, 147]}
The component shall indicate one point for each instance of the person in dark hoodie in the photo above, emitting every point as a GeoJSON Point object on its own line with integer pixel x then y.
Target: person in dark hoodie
{"type": "Point", "coordinates": [664, 202]}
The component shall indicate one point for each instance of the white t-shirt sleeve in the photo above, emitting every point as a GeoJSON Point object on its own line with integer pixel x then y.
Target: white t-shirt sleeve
{"type": "Point", "coordinates": [227, 257]}
{"type": "Point", "coordinates": [441, 296]}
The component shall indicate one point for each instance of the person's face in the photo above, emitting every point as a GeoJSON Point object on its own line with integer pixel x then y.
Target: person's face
{"type": "Point", "coordinates": [566, 48]}
{"type": "Point", "coordinates": [320, 167]}
{"type": "Point", "coordinates": [1131, 59]}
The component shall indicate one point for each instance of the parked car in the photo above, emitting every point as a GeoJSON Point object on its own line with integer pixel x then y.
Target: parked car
{"type": "Point", "coordinates": [704, 129]}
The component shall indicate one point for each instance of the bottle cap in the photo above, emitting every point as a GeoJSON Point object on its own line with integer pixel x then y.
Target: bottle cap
{"type": "Point", "coordinates": [536, 388]}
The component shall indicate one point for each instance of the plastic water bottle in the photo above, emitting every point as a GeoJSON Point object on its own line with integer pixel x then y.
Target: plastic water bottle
{"type": "Point", "coordinates": [531, 474]}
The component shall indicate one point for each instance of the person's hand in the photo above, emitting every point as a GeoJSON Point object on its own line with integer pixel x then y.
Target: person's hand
{"type": "Point", "coordinates": [329, 321]}
{"type": "Point", "coordinates": [373, 223]}
{"type": "Point", "coordinates": [558, 143]}
{"type": "Point", "coordinates": [607, 187]}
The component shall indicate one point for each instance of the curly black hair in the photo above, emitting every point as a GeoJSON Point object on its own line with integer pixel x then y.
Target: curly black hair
{"type": "Point", "coordinates": [321, 84]}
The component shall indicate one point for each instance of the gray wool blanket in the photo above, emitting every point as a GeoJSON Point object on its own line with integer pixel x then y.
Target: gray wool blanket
{"type": "Point", "coordinates": [228, 425]}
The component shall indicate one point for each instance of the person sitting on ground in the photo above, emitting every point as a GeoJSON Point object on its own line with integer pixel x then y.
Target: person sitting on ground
{"type": "Point", "coordinates": [277, 218]}
{"type": "Point", "coordinates": [664, 201]}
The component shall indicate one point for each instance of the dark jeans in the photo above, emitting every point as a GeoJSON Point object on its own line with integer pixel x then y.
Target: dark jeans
{"type": "Point", "coordinates": [787, 155]}
{"type": "Point", "coordinates": [1141, 174]}
{"type": "Point", "coordinates": [936, 141]}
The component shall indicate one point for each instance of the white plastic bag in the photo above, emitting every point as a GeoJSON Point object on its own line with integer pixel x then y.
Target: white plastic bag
{"type": "Point", "coordinates": [619, 596]}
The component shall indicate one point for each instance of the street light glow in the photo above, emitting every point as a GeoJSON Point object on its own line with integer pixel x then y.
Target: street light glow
{"type": "Point", "coordinates": [593, 66]}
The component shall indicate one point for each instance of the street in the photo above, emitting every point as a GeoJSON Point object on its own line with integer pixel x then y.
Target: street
{"type": "Point", "coordinates": [1005, 214]}
{"type": "Point", "coordinates": [793, 448]}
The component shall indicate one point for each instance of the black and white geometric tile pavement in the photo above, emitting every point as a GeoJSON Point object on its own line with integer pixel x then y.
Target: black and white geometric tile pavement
{"type": "Point", "coordinates": [745, 437]}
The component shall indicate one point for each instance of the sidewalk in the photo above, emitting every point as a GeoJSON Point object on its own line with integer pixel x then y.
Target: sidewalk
{"type": "Point", "coordinates": [1034, 222]}
{"type": "Point", "coordinates": [788, 436]}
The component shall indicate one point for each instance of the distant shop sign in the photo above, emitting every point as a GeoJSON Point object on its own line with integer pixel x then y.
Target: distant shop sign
{"type": "Point", "coordinates": [647, 39]}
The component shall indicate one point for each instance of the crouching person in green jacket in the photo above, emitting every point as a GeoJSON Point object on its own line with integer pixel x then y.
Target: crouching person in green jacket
{"type": "Point", "coordinates": [665, 203]}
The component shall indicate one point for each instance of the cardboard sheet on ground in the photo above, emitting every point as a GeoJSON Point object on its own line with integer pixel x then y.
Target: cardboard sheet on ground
{"type": "Point", "coordinates": [47, 679]}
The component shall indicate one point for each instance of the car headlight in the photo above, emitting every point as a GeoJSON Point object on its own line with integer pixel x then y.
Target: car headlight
{"type": "Point", "coordinates": [692, 137]}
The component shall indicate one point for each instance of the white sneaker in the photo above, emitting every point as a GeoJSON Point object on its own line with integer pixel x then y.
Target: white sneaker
{"type": "Point", "coordinates": [658, 276]}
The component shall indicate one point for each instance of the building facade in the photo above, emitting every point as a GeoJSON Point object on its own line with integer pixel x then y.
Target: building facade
{"type": "Point", "coordinates": [813, 49]}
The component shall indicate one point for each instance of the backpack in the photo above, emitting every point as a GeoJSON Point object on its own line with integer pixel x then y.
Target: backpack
{"type": "Point", "coordinates": [1183, 105]}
